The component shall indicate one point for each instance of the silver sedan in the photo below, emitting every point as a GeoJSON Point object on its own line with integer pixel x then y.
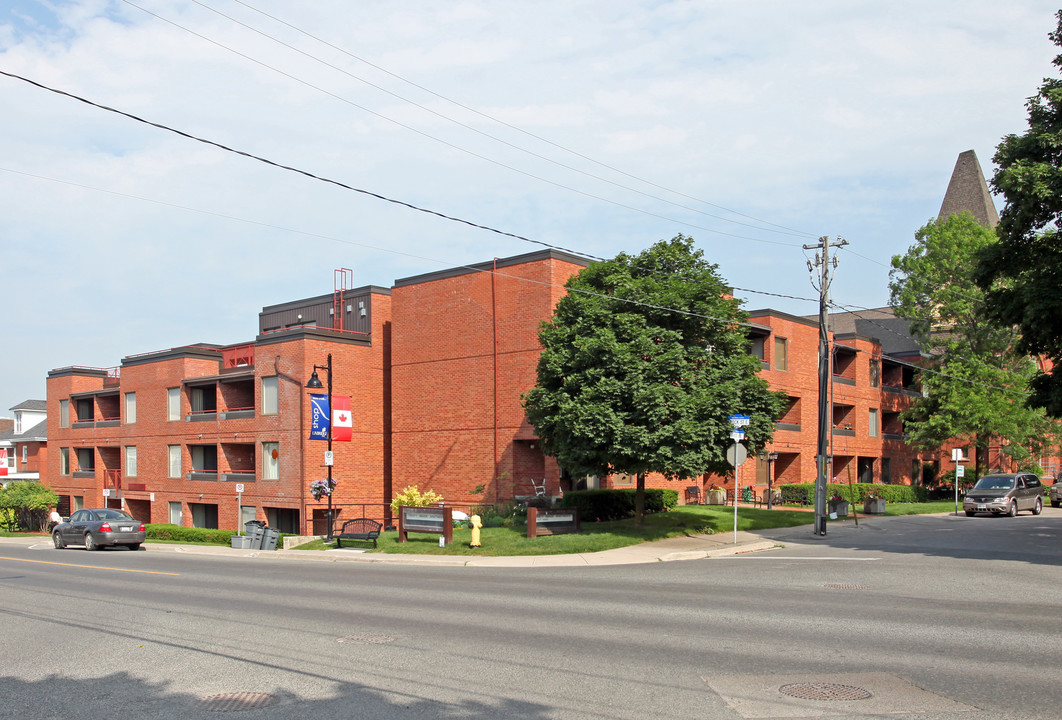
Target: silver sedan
{"type": "Point", "coordinates": [98, 527]}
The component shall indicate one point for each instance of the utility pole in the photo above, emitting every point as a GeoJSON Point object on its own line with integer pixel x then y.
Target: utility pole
{"type": "Point", "coordinates": [822, 450]}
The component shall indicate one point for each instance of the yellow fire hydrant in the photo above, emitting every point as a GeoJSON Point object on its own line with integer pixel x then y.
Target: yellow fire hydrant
{"type": "Point", "coordinates": [475, 522]}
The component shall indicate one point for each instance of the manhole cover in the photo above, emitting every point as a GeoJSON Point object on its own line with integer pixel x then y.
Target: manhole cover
{"type": "Point", "coordinates": [366, 639]}
{"type": "Point", "coordinates": [824, 691]}
{"type": "Point", "coordinates": [237, 702]}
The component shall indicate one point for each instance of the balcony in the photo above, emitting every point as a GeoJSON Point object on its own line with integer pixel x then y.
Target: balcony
{"type": "Point", "coordinates": [84, 474]}
{"type": "Point", "coordinates": [241, 356]}
{"type": "Point", "coordinates": [898, 390]}
{"type": "Point", "coordinates": [844, 380]}
{"type": "Point", "coordinates": [201, 416]}
{"type": "Point", "coordinates": [108, 422]}
{"type": "Point", "coordinates": [240, 413]}
{"type": "Point", "coordinates": [81, 424]}
{"type": "Point", "coordinates": [112, 481]}
{"type": "Point", "coordinates": [844, 432]}
{"type": "Point", "coordinates": [201, 476]}
{"type": "Point", "coordinates": [792, 427]}
{"type": "Point", "coordinates": [240, 477]}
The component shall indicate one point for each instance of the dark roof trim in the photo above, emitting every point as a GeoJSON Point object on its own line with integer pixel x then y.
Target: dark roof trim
{"type": "Point", "coordinates": [77, 370]}
{"type": "Point", "coordinates": [347, 294]}
{"type": "Point", "coordinates": [537, 256]}
{"type": "Point", "coordinates": [312, 332]}
{"type": "Point", "coordinates": [33, 405]}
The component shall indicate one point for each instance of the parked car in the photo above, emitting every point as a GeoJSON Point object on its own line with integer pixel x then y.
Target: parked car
{"type": "Point", "coordinates": [96, 528]}
{"type": "Point", "coordinates": [1005, 494]}
{"type": "Point", "coordinates": [1056, 494]}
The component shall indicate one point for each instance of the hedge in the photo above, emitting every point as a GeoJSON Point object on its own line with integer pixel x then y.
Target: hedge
{"type": "Point", "coordinates": [596, 505]}
{"type": "Point", "coordinates": [804, 493]}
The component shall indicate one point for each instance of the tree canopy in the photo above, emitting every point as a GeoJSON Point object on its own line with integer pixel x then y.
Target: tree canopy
{"type": "Point", "coordinates": [975, 381]}
{"type": "Point", "coordinates": [643, 362]}
{"type": "Point", "coordinates": [1022, 273]}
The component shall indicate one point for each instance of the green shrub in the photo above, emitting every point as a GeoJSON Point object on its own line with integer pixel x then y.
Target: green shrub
{"type": "Point", "coordinates": [597, 505]}
{"type": "Point", "coordinates": [175, 533]}
{"type": "Point", "coordinates": [805, 492]}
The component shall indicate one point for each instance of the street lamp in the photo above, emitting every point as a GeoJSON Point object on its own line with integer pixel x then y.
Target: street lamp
{"type": "Point", "coordinates": [771, 458]}
{"type": "Point", "coordinates": [314, 383]}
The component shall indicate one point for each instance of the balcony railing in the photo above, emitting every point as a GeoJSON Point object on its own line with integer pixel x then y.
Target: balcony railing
{"type": "Point", "coordinates": [201, 415]}
{"type": "Point", "coordinates": [242, 477]}
{"type": "Point", "coordinates": [240, 356]}
{"type": "Point", "coordinates": [112, 480]}
{"type": "Point", "coordinates": [898, 390]}
{"type": "Point", "coordinates": [202, 476]}
{"type": "Point", "coordinates": [236, 413]}
{"type": "Point", "coordinates": [844, 380]}
{"type": "Point", "coordinates": [113, 377]}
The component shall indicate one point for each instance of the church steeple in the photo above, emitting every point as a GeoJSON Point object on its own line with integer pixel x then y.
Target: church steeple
{"type": "Point", "coordinates": [969, 191]}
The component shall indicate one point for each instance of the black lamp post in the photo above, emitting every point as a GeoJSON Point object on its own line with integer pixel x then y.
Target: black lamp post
{"type": "Point", "coordinates": [771, 458]}
{"type": "Point", "coordinates": [315, 384]}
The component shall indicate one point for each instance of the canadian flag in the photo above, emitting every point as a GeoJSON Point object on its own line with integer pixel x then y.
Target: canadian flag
{"type": "Point", "coordinates": [342, 419]}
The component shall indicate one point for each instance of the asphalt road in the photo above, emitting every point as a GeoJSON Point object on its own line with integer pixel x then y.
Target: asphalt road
{"type": "Point", "coordinates": [921, 617]}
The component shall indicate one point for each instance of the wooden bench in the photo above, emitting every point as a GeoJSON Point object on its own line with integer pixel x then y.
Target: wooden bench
{"type": "Point", "coordinates": [693, 495]}
{"type": "Point", "coordinates": [357, 529]}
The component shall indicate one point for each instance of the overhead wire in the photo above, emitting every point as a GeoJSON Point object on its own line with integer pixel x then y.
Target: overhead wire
{"type": "Point", "coordinates": [502, 141]}
{"type": "Point", "coordinates": [452, 145]}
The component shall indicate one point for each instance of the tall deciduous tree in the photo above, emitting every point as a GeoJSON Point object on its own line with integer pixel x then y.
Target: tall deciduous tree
{"type": "Point", "coordinates": [975, 381]}
{"type": "Point", "coordinates": [644, 360]}
{"type": "Point", "coordinates": [1022, 273]}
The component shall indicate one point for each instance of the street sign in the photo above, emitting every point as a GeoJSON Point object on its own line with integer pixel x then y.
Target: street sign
{"type": "Point", "coordinates": [736, 454]}
{"type": "Point", "coordinates": [737, 435]}
{"type": "Point", "coordinates": [239, 487]}
{"type": "Point", "coordinates": [329, 458]}
{"type": "Point", "coordinates": [740, 420]}
{"type": "Point", "coordinates": [960, 471]}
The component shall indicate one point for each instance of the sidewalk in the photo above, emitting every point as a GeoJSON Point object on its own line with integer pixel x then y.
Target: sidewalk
{"type": "Point", "coordinates": [695, 547]}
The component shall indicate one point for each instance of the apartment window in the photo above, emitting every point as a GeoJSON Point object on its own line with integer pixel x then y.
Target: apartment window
{"type": "Point", "coordinates": [872, 428]}
{"type": "Point", "coordinates": [85, 411]}
{"type": "Point", "coordinates": [174, 461]}
{"type": "Point", "coordinates": [130, 408]}
{"type": "Point", "coordinates": [130, 460]}
{"type": "Point", "coordinates": [86, 458]}
{"type": "Point", "coordinates": [79, 502]}
{"type": "Point", "coordinates": [781, 353]}
{"type": "Point", "coordinates": [176, 513]}
{"type": "Point", "coordinates": [173, 403]}
{"type": "Point", "coordinates": [886, 470]}
{"type": "Point", "coordinates": [64, 413]}
{"type": "Point", "coordinates": [270, 399]}
{"type": "Point", "coordinates": [64, 461]}
{"type": "Point", "coordinates": [25, 454]}
{"type": "Point", "coordinates": [875, 373]}
{"type": "Point", "coordinates": [270, 461]}
{"type": "Point", "coordinates": [756, 347]}
{"type": "Point", "coordinates": [204, 459]}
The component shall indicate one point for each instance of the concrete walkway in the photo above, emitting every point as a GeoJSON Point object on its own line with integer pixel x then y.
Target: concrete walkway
{"type": "Point", "coordinates": [695, 547]}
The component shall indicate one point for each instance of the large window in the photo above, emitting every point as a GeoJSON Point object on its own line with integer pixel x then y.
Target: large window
{"type": "Point", "coordinates": [270, 400]}
{"type": "Point", "coordinates": [173, 403]}
{"type": "Point", "coordinates": [130, 408]}
{"type": "Point", "coordinates": [130, 460]}
{"type": "Point", "coordinates": [173, 458]}
{"type": "Point", "coordinates": [64, 461]}
{"type": "Point", "coordinates": [270, 461]}
{"type": "Point", "coordinates": [176, 513]}
{"type": "Point", "coordinates": [64, 413]}
{"type": "Point", "coordinates": [204, 458]}
{"type": "Point", "coordinates": [86, 458]}
{"type": "Point", "coordinates": [872, 425]}
{"type": "Point", "coordinates": [781, 353]}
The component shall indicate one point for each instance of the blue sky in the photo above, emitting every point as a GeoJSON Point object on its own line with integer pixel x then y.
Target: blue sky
{"type": "Point", "coordinates": [605, 126]}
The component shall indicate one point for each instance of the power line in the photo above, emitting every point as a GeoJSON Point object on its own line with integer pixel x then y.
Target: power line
{"type": "Point", "coordinates": [452, 145]}
{"type": "Point", "coordinates": [783, 231]}
{"type": "Point", "coordinates": [495, 120]}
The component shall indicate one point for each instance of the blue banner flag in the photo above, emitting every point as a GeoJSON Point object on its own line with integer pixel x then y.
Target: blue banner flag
{"type": "Point", "coordinates": [321, 417]}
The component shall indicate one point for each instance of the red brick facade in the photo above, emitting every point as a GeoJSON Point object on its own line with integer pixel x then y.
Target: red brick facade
{"type": "Point", "coordinates": [435, 368]}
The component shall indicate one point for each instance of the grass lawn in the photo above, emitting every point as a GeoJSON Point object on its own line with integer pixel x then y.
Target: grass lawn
{"type": "Point", "coordinates": [684, 520]}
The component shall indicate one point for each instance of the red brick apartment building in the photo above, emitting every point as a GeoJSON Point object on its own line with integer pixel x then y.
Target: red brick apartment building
{"type": "Point", "coordinates": [435, 368]}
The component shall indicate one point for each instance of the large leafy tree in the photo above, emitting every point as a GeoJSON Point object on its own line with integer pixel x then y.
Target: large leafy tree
{"type": "Point", "coordinates": [644, 360]}
{"type": "Point", "coordinates": [1022, 273]}
{"type": "Point", "coordinates": [974, 381]}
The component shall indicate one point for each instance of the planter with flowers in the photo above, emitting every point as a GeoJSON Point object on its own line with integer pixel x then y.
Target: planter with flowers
{"type": "Point", "coordinates": [716, 496]}
{"type": "Point", "coordinates": [838, 505]}
{"type": "Point", "coordinates": [873, 505]}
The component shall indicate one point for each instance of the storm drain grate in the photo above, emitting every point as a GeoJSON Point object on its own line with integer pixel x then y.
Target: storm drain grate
{"type": "Point", "coordinates": [824, 691]}
{"type": "Point", "coordinates": [841, 586]}
{"type": "Point", "coordinates": [366, 639]}
{"type": "Point", "coordinates": [237, 702]}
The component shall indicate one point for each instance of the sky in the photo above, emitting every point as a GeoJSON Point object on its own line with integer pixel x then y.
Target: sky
{"type": "Point", "coordinates": [754, 126]}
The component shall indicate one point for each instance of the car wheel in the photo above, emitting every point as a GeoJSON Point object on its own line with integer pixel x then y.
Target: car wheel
{"type": "Point", "coordinates": [90, 544]}
{"type": "Point", "coordinates": [970, 513]}
{"type": "Point", "coordinates": [1012, 510]}
{"type": "Point", "coordinates": [133, 546]}
{"type": "Point", "coordinates": [1038, 507]}
{"type": "Point", "coordinates": [58, 541]}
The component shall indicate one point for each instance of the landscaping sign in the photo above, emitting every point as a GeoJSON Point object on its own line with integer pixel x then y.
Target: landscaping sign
{"type": "Point", "coordinates": [552, 521]}
{"type": "Point", "coordinates": [433, 520]}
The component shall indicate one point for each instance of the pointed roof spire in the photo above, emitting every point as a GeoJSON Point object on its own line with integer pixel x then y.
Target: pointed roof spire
{"type": "Point", "coordinates": [969, 191]}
